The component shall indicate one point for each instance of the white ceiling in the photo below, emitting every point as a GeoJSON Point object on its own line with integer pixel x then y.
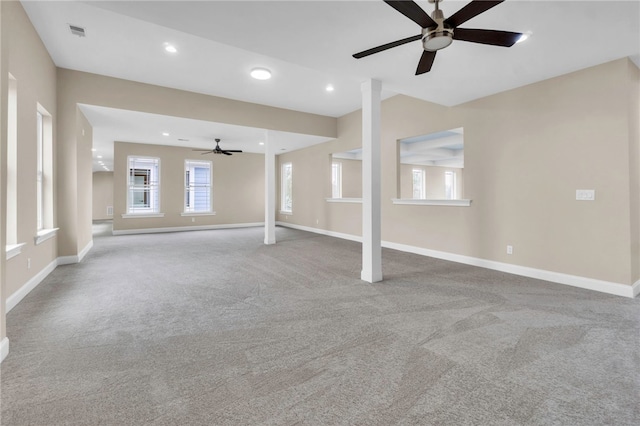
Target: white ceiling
{"type": "Point", "coordinates": [308, 44]}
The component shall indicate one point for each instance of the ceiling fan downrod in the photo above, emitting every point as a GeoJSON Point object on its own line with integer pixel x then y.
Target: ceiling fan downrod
{"type": "Point", "coordinates": [437, 38]}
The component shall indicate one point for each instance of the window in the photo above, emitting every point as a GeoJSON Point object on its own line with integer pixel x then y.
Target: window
{"type": "Point", "coordinates": [419, 192]}
{"type": "Point", "coordinates": [40, 171]}
{"type": "Point", "coordinates": [450, 185]}
{"type": "Point", "coordinates": [286, 190]}
{"type": "Point", "coordinates": [144, 185]}
{"type": "Point", "coordinates": [12, 163]}
{"type": "Point", "coordinates": [336, 180]}
{"type": "Point", "coordinates": [197, 193]}
{"type": "Point", "coordinates": [44, 175]}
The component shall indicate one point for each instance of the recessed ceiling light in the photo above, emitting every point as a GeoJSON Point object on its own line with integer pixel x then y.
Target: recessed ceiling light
{"type": "Point", "coordinates": [329, 88]}
{"type": "Point", "coordinates": [99, 156]}
{"type": "Point", "coordinates": [261, 74]}
{"type": "Point", "coordinates": [93, 150]}
{"type": "Point", "coordinates": [260, 143]}
{"type": "Point", "coordinates": [523, 37]}
{"type": "Point", "coordinates": [170, 48]}
{"type": "Point", "coordinates": [165, 133]}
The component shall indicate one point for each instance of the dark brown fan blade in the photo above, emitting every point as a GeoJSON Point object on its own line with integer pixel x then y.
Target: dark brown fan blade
{"type": "Point", "coordinates": [232, 150]}
{"type": "Point", "coordinates": [226, 153]}
{"type": "Point", "coordinates": [426, 61]}
{"type": "Point", "coordinates": [492, 37]}
{"type": "Point", "coordinates": [412, 11]}
{"type": "Point", "coordinates": [387, 46]}
{"type": "Point", "coordinates": [475, 8]}
{"type": "Point", "coordinates": [208, 150]}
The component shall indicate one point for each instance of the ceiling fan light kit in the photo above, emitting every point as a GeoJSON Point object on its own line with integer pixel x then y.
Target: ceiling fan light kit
{"type": "Point", "coordinates": [438, 33]}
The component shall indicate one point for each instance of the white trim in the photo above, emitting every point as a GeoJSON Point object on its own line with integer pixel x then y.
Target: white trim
{"type": "Point", "coordinates": [68, 260]}
{"type": "Point", "coordinates": [350, 237]}
{"type": "Point", "coordinates": [14, 249]}
{"type": "Point", "coordinates": [286, 213]}
{"type": "Point", "coordinates": [541, 274]}
{"type": "Point", "coordinates": [20, 294]}
{"type": "Point", "coordinates": [414, 202]}
{"type": "Point", "coordinates": [185, 228]}
{"type": "Point", "coordinates": [44, 235]}
{"type": "Point", "coordinates": [4, 349]}
{"type": "Point", "coordinates": [198, 214]}
{"type": "Point", "coordinates": [344, 200]}
{"type": "Point", "coordinates": [141, 215]}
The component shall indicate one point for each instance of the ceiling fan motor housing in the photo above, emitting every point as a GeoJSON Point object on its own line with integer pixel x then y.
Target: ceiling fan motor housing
{"type": "Point", "coordinates": [439, 37]}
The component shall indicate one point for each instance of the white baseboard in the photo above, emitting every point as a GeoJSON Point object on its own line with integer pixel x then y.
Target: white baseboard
{"type": "Point", "coordinates": [321, 231]}
{"type": "Point", "coordinates": [4, 349]}
{"type": "Point", "coordinates": [68, 260]}
{"type": "Point", "coordinates": [20, 294]}
{"type": "Point", "coordinates": [541, 274]}
{"type": "Point", "coordinates": [185, 228]}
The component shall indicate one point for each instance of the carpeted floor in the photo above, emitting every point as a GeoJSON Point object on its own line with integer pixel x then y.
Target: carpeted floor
{"type": "Point", "coordinates": [214, 328]}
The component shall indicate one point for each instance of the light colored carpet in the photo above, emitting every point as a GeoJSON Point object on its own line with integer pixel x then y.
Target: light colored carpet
{"type": "Point", "coordinates": [214, 328]}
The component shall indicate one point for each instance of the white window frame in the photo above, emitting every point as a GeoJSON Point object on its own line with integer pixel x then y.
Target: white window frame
{"type": "Point", "coordinates": [422, 189]}
{"type": "Point", "coordinates": [450, 185]}
{"type": "Point", "coordinates": [152, 186]}
{"type": "Point", "coordinates": [191, 186]}
{"type": "Point", "coordinates": [286, 188]}
{"type": "Point", "coordinates": [336, 180]}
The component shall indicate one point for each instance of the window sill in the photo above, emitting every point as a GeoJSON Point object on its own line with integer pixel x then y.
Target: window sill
{"type": "Point", "coordinates": [286, 213]}
{"type": "Point", "coordinates": [14, 249]}
{"type": "Point", "coordinates": [45, 234]}
{"type": "Point", "coordinates": [413, 202]}
{"type": "Point", "coordinates": [198, 214]}
{"type": "Point", "coordinates": [344, 200]}
{"type": "Point", "coordinates": [141, 215]}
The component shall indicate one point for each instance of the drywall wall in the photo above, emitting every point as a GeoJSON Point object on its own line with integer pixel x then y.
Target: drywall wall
{"type": "Point", "coordinates": [527, 151]}
{"type": "Point", "coordinates": [84, 142]}
{"type": "Point", "coordinates": [4, 75]}
{"type": "Point", "coordinates": [634, 166]}
{"type": "Point", "coordinates": [28, 61]}
{"type": "Point", "coordinates": [238, 188]}
{"type": "Point", "coordinates": [102, 195]}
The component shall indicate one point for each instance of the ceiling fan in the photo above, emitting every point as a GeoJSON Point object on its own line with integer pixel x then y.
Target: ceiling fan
{"type": "Point", "coordinates": [218, 150]}
{"type": "Point", "coordinates": [438, 32]}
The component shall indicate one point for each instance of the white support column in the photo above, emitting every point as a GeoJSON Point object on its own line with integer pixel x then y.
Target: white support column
{"type": "Point", "coordinates": [371, 183]}
{"type": "Point", "coordinates": [269, 190]}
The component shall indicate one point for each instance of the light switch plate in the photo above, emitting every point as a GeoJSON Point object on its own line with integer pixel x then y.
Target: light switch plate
{"type": "Point", "coordinates": [585, 194]}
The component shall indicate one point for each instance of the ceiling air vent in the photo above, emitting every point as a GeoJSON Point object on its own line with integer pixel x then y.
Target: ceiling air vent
{"type": "Point", "coordinates": [75, 30]}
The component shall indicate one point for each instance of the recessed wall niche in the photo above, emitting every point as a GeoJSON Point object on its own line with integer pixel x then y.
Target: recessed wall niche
{"type": "Point", "coordinates": [431, 166]}
{"type": "Point", "coordinates": [346, 174]}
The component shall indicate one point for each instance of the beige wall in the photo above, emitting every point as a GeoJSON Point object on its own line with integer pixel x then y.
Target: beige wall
{"type": "Point", "coordinates": [527, 150]}
{"type": "Point", "coordinates": [4, 70]}
{"type": "Point", "coordinates": [102, 195]}
{"type": "Point", "coordinates": [238, 187]}
{"type": "Point", "coordinates": [634, 166]}
{"type": "Point", "coordinates": [25, 57]}
{"type": "Point", "coordinates": [351, 177]}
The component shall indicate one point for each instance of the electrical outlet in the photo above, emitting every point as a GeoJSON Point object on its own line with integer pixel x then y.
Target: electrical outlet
{"type": "Point", "coordinates": [193, 219]}
{"type": "Point", "coordinates": [509, 249]}
{"type": "Point", "coordinates": [29, 263]}
{"type": "Point", "coordinates": [317, 221]}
